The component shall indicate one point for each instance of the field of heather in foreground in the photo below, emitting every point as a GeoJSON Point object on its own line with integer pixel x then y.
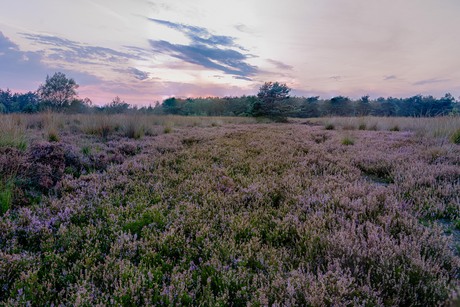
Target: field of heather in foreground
{"type": "Point", "coordinates": [220, 211]}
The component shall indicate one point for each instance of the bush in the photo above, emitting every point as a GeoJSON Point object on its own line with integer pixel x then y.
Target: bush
{"type": "Point", "coordinates": [167, 129]}
{"type": "Point", "coordinates": [53, 136]}
{"type": "Point", "coordinates": [329, 126]}
{"type": "Point", "coordinates": [348, 141]}
{"type": "Point", "coordinates": [47, 166]}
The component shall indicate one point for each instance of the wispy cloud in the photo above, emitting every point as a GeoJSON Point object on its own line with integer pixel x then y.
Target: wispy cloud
{"type": "Point", "coordinates": [217, 52]}
{"type": "Point", "coordinates": [431, 81]}
{"type": "Point", "coordinates": [23, 69]}
{"type": "Point", "coordinates": [242, 78]}
{"type": "Point", "coordinates": [138, 74]}
{"type": "Point", "coordinates": [13, 60]}
{"type": "Point", "coordinates": [280, 65]}
{"type": "Point", "coordinates": [199, 35]}
{"type": "Point", "coordinates": [243, 28]}
{"type": "Point", "coordinates": [76, 52]}
{"type": "Point", "coordinates": [390, 77]}
{"type": "Point", "coordinates": [336, 78]}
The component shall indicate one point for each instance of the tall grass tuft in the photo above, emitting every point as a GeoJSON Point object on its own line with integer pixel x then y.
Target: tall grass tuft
{"type": "Point", "coordinates": [348, 141]}
{"type": "Point", "coordinates": [437, 127]}
{"type": "Point", "coordinates": [12, 133]}
{"type": "Point", "coordinates": [134, 128]}
{"type": "Point", "coordinates": [100, 125]}
{"type": "Point", "coordinates": [455, 138]}
{"type": "Point", "coordinates": [6, 195]}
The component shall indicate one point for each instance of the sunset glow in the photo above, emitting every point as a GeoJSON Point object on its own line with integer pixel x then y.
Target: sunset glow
{"type": "Point", "coordinates": [145, 51]}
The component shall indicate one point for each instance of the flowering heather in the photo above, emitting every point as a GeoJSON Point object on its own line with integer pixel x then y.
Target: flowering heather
{"type": "Point", "coordinates": [234, 214]}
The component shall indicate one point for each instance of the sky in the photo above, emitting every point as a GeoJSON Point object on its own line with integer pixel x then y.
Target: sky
{"type": "Point", "coordinates": [147, 50]}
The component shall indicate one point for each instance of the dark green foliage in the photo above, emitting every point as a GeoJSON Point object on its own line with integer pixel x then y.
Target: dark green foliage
{"type": "Point", "coordinates": [58, 91]}
{"type": "Point", "coordinates": [117, 106]}
{"type": "Point", "coordinates": [271, 101]}
{"type": "Point", "coordinates": [26, 103]}
{"type": "Point", "coordinates": [329, 127]}
{"type": "Point", "coordinates": [6, 195]}
{"type": "Point", "coordinates": [53, 136]}
{"type": "Point", "coordinates": [153, 218]}
{"type": "Point", "coordinates": [171, 106]}
{"type": "Point", "coordinates": [348, 141]}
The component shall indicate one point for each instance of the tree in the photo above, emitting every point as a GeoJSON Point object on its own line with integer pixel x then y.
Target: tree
{"type": "Point", "coordinates": [338, 106]}
{"type": "Point", "coordinates": [117, 106]}
{"type": "Point", "coordinates": [363, 107]}
{"type": "Point", "coordinates": [79, 106]}
{"type": "Point", "coordinates": [58, 91]}
{"type": "Point", "coordinates": [171, 106]}
{"type": "Point", "coordinates": [309, 107]}
{"type": "Point", "coordinates": [270, 94]}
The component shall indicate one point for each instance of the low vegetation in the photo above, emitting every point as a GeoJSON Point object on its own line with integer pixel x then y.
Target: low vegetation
{"type": "Point", "coordinates": [228, 211]}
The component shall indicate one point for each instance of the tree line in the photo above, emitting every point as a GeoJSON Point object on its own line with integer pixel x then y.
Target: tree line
{"type": "Point", "coordinates": [59, 93]}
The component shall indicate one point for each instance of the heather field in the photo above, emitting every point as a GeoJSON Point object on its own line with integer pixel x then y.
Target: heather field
{"type": "Point", "coordinates": [160, 210]}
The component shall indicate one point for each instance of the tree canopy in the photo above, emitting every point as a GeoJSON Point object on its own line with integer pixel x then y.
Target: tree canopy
{"type": "Point", "coordinates": [58, 90]}
{"type": "Point", "coordinates": [269, 96]}
{"type": "Point", "coordinates": [59, 93]}
{"type": "Point", "coordinates": [273, 91]}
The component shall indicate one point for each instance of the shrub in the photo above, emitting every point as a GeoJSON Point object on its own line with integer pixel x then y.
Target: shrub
{"type": "Point", "coordinates": [329, 126]}
{"type": "Point", "coordinates": [362, 126]}
{"type": "Point", "coordinates": [348, 141]}
{"type": "Point", "coordinates": [53, 136]}
{"type": "Point", "coordinates": [395, 128]}
{"type": "Point", "coordinates": [47, 166]}
{"type": "Point", "coordinates": [128, 149]}
{"type": "Point", "coordinates": [86, 150]}
{"type": "Point", "coordinates": [167, 129]}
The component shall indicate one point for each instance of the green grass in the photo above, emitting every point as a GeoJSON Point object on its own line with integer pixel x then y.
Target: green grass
{"type": "Point", "coordinates": [395, 128]}
{"type": "Point", "coordinates": [362, 126]}
{"type": "Point", "coordinates": [53, 136]}
{"type": "Point", "coordinates": [12, 132]}
{"type": "Point", "coordinates": [455, 138]}
{"type": "Point", "coordinates": [348, 141]}
{"type": "Point", "coordinates": [329, 126]}
{"type": "Point", "coordinates": [167, 129]}
{"type": "Point", "coordinates": [6, 196]}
